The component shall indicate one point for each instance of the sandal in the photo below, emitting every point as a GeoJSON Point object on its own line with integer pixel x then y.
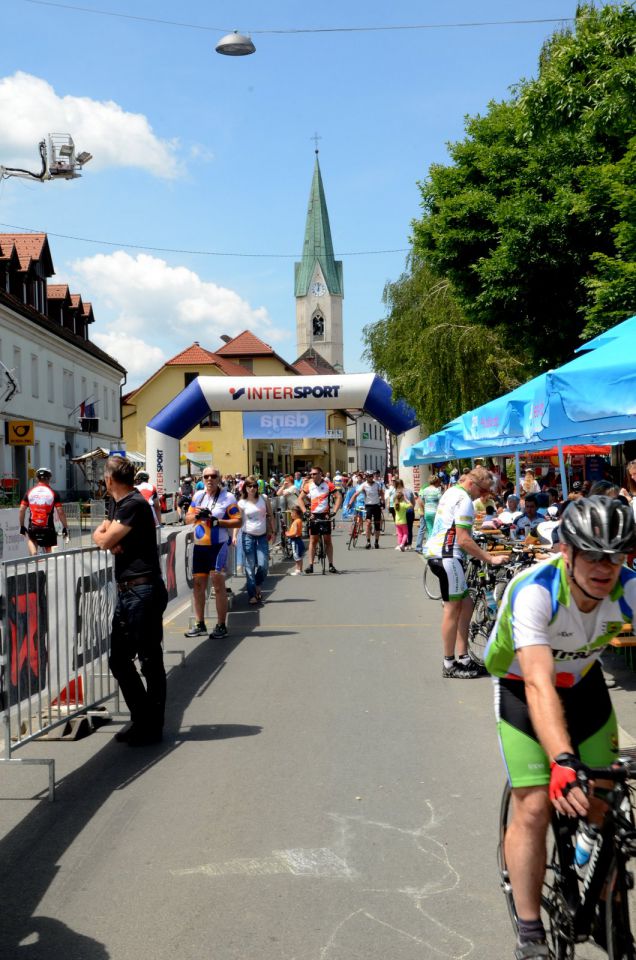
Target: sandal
{"type": "Point", "coordinates": [253, 601]}
{"type": "Point", "coordinates": [259, 596]}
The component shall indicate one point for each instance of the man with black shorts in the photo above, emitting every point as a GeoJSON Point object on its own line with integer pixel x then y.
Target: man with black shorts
{"type": "Point", "coordinates": [319, 493]}
{"type": "Point", "coordinates": [552, 706]}
{"type": "Point", "coordinates": [214, 513]}
{"type": "Point", "coordinates": [41, 500]}
{"type": "Point", "coordinates": [450, 540]}
{"type": "Point", "coordinates": [372, 494]}
{"type": "Point", "coordinates": [129, 533]}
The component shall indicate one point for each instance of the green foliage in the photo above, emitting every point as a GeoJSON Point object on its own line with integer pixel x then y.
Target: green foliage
{"type": "Point", "coordinates": [529, 221]}
{"type": "Point", "coordinates": [435, 359]}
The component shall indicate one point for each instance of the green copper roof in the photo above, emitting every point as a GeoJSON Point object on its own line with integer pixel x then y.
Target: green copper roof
{"type": "Point", "coordinates": [318, 245]}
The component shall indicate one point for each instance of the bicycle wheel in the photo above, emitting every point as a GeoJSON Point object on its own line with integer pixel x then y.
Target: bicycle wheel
{"type": "Point", "coordinates": [432, 586]}
{"type": "Point", "coordinates": [479, 629]}
{"type": "Point", "coordinates": [322, 553]}
{"type": "Point", "coordinates": [620, 943]}
{"type": "Point", "coordinates": [555, 915]}
{"type": "Point", "coordinates": [353, 539]}
{"type": "Point", "coordinates": [382, 523]}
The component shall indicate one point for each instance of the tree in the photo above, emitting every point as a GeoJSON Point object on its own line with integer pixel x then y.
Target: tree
{"type": "Point", "coordinates": [527, 222]}
{"type": "Point", "coordinates": [435, 359]}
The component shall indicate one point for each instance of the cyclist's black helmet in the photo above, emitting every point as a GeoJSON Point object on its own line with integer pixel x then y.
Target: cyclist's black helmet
{"type": "Point", "coordinates": [142, 476]}
{"type": "Point", "coordinates": [44, 473]}
{"type": "Point", "coordinates": [599, 523]}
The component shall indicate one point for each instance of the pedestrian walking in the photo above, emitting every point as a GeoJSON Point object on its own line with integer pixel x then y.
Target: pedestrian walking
{"type": "Point", "coordinates": [256, 533]}
{"type": "Point", "coordinates": [401, 506]}
{"type": "Point", "coordinates": [137, 629]}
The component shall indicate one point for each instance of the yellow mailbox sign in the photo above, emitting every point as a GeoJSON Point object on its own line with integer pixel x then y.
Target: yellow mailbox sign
{"type": "Point", "coordinates": [20, 433]}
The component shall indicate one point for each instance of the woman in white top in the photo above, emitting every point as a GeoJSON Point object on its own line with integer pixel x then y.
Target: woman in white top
{"type": "Point", "coordinates": [256, 532]}
{"type": "Point", "coordinates": [629, 490]}
{"type": "Point", "coordinates": [529, 484]}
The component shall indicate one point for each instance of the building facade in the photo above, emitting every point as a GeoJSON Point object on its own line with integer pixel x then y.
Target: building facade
{"type": "Point", "coordinates": [46, 353]}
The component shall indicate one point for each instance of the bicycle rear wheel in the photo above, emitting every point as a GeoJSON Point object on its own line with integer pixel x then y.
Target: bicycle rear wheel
{"type": "Point", "coordinates": [479, 629]}
{"type": "Point", "coordinates": [353, 538]}
{"type": "Point", "coordinates": [432, 586]}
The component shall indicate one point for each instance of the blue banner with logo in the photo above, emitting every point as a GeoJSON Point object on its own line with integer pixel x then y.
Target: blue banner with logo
{"type": "Point", "coordinates": [284, 424]}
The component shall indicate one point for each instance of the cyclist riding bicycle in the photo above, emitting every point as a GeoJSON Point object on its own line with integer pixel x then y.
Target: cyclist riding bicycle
{"type": "Point", "coordinates": [552, 705]}
{"type": "Point", "coordinates": [319, 493]}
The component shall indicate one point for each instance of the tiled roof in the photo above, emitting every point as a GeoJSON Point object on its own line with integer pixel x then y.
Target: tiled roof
{"type": "Point", "coordinates": [310, 363]}
{"type": "Point", "coordinates": [29, 247]}
{"type": "Point", "coordinates": [196, 356]}
{"type": "Point", "coordinates": [8, 300]}
{"type": "Point", "coordinates": [57, 291]}
{"type": "Point", "coordinates": [245, 345]}
{"type": "Point", "coordinates": [76, 299]}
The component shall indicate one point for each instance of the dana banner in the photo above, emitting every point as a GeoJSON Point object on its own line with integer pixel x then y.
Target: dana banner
{"type": "Point", "coordinates": [285, 425]}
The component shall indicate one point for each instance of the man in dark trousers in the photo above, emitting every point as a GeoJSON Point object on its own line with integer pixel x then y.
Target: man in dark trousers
{"type": "Point", "coordinates": [137, 631]}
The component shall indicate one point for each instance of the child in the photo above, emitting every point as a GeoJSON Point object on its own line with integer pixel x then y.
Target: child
{"type": "Point", "coordinates": [401, 506]}
{"type": "Point", "coordinates": [295, 534]}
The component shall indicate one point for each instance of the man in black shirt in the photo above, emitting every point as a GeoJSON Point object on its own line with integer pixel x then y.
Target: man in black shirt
{"type": "Point", "coordinates": [137, 631]}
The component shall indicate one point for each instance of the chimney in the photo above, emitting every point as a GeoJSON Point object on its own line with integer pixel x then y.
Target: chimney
{"type": "Point", "coordinates": [225, 338]}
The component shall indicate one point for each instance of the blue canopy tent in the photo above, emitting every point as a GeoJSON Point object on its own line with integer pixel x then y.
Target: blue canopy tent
{"type": "Point", "coordinates": [627, 327]}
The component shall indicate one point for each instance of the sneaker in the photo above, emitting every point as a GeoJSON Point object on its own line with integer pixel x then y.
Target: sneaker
{"type": "Point", "coordinates": [458, 672]}
{"type": "Point", "coordinates": [332, 569]}
{"type": "Point", "coordinates": [310, 568]}
{"type": "Point", "coordinates": [377, 545]}
{"type": "Point", "coordinates": [532, 950]}
{"type": "Point", "coordinates": [219, 632]}
{"type": "Point", "coordinates": [144, 736]}
{"type": "Point", "coordinates": [295, 573]}
{"type": "Point", "coordinates": [198, 630]}
{"type": "Point", "coordinates": [473, 665]}
{"type": "Point", "coordinates": [368, 546]}
{"type": "Point", "coordinates": [398, 548]}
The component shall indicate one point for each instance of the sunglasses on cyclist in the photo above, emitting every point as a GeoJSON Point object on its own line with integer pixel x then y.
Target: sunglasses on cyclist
{"type": "Point", "coordinates": [596, 556]}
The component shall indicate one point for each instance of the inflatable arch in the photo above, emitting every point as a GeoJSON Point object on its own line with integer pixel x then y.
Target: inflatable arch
{"type": "Point", "coordinates": [360, 391]}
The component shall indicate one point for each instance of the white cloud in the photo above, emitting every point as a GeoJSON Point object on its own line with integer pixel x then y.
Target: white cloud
{"type": "Point", "coordinates": [30, 108]}
{"type": "Point", "coordinates": [159, 310]}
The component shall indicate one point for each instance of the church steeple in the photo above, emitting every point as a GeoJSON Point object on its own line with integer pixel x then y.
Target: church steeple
{"type": "Point", "coordinates": [319, 288]}
{"type": "Point", "coordinates": [318, 246]}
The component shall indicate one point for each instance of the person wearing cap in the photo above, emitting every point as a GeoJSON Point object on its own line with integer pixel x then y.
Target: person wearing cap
{"type": "Point", "coordinates": [41, 500]}
{"type": "Point", "coordinates": [149, 493]}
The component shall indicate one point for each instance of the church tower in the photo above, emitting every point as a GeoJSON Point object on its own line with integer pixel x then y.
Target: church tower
{"type": "Point", "coordinates": [318, 284]}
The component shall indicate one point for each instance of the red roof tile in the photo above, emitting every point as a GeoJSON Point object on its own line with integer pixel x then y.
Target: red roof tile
{"type": "Point", "coordinates": [196, 356]}
{"type": "Point", "coordinates": [57, 291]}
{"type": "Point", "coordinates": [193, 354]}
{"type": "Point", "coordinates": [76, 299]}
{"type": "Point", "coordinates": [246, 344]}
{"type": "Point", "coordinates": [29, 246]}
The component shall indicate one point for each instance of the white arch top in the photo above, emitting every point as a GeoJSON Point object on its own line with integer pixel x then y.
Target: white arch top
{"type": "Point", "coordinates": [363, 391]}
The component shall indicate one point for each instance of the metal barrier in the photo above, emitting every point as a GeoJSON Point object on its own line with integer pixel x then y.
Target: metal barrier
{"type": "Point", "coordinates": [56, 615]}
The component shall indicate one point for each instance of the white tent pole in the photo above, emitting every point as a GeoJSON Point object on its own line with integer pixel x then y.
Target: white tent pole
{"type": "Point", "coordinates": [517, 475]}
{"type": "Point", "coordinates": [564, 479]}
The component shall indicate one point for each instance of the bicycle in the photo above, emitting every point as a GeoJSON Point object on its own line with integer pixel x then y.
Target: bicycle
{"type": "Point", "coordinates": [285, 545]}
{"type": "Point", "coordinates": [357, 525]}
{"type": "Point", "coordinates": [432, 586]}
{"type": "Point", "coordinates": [572, 898]}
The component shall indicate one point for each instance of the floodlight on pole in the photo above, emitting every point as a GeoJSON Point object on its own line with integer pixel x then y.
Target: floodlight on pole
{"type": "Point", "coordinates": [59, 161]}
{"type": "Point", "coordinates": [235, 45]}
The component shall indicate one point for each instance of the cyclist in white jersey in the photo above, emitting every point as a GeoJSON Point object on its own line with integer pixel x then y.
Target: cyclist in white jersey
{"type": "Point", "coordinates": [370, 493]}
{"type": "Point", "coordinates": [551, 701]}
{"type": "Point", "coordinates": [446, 548]}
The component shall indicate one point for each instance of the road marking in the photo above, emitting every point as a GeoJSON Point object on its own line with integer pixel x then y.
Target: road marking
{"type": "Point", "coordinates": [321, 862]}
{"type": "Point", "coordinates": [330, 626]}
{"type": "Point", "coordinates": [175, 613]}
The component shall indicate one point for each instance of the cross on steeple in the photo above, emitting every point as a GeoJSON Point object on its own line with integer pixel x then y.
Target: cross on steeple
{"type": "Point", "coordinates": [316, 138]}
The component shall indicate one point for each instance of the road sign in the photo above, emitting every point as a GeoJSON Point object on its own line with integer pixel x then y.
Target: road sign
{"type": "Point", "coordinates": [20, 433]}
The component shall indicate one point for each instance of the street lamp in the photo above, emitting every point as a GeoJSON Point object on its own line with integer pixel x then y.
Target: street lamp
{"type": "Point", "coordinates": [235, 45]}
{"type": "Point", "coordinates": [59, 160]}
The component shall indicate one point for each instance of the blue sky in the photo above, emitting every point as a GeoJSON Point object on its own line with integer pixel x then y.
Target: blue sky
{"type": "Point", "coordinates": [195, 151]}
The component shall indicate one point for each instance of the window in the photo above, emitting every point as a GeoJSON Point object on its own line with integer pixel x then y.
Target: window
{"type": "Point", "coordinates": [17, 366]}
{"type": "Point", "coordinates": [351, 442]}
{"type": "Point", "coordinates": [113, 407]}
{"type": "Point", "coordinates": [318, 326]}
{"type": "Point", "coordinates": [36, 455]}
{"type": "Point", "coordinates": [105, 405]}
{"type": "Point", "coordinates": [248, 364]}
{"type": "Point", "coordinates": [35, 375]}
{"type": "Point", "coordinates": [51, 463]}
{"type": "Point", "coordinates": [213, 419]}
{"type": "Point", "coordinates": [68, 389]}
{"type": "Point", "coordinates": [188, 378]}
{"type": "Point", "coordinates": [50, 389]}
{"type": "Point", "coordinates": [365, 461]}
{"type": "Point", "coordinates": [83, 390]}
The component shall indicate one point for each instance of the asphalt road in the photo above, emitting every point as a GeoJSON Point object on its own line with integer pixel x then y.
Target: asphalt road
{"type": "Point", "coordinates": [322, 794]}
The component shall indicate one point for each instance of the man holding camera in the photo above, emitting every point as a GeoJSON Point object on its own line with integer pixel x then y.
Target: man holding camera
{"type": "Point", "coordinates": [214, 513]}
